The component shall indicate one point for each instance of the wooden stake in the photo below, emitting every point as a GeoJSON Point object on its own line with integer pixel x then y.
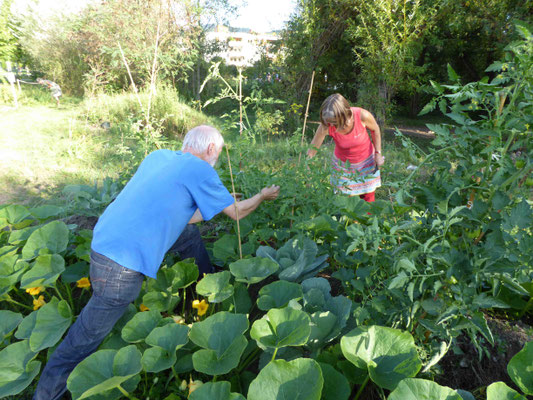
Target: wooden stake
{"type": "Point", "coordinates": [240, 102]}
{"type": "Point", "coordinates": [135, 89]}
{"type": "Point", "coordinates": [235, 198]}
{"type": "Point", "coordinates": [153, 75]}
{"type": "Point", "coordinates": [306, 115]}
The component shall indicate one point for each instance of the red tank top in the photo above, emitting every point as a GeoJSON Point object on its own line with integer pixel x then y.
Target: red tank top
{"type": "Point", "coordinates": [356, 145]}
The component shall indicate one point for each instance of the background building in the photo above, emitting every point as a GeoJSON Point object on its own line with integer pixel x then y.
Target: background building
{"type": "Point", "coordinates": [242, 46]}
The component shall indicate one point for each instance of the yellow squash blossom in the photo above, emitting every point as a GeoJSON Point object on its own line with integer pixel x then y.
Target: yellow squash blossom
{"type": "Point", "coordinates": [83, 283]}
{"type": "Point", "coordinates": [34, 291]}
{"type": "Point", "coordinates": [142, 307]}
{"type": "Point", "coordinates": [38, 303]}
{"type": "Point", "coordinates": [193, 385]}
{"type": "Point", "coordinates": [201, 306]}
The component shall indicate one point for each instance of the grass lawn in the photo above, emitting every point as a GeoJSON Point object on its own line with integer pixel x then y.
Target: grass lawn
{"type": "Point", "coordinates": [43, 148]}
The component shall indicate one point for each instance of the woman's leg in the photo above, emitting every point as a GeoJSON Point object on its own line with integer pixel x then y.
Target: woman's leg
{"type": "Point", "coordinates": [370, 197]}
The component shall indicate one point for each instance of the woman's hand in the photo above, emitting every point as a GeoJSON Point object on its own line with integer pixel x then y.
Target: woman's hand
{"type": "Point", "coordinates": [270, 192]}
{"type": "Point", "coordinates": [380, 160]}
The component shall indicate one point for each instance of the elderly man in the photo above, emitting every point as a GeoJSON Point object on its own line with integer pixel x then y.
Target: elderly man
{"type": "Point", "coordinates": [169, 190]}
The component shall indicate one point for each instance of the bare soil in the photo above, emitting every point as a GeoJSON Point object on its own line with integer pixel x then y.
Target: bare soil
{"type": "Point", "coordinates": [468, 372]}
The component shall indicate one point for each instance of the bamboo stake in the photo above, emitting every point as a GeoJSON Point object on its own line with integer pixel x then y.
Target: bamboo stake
{"type": "Point", "coordinates": [153, 77]}
{"type": "Point", "coordinates": [135, 90]}
{"type": "Point", "coordinates": [240, 102]}
{"type": "Point", "coordinates": [129, 74]}
{"type": "Point", "coordinates": [236, 208]}
{"type": "Point", "coordinates": [306, 115]}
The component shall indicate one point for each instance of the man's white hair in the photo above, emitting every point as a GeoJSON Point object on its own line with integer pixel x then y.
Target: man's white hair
{"type": "Point", "coordinates": [199, 138]}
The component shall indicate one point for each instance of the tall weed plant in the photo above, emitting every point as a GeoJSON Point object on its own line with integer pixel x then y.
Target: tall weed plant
{"type": "Point", "coordinates": [167, 111]}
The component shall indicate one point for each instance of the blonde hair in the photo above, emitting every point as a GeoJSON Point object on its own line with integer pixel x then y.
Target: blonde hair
{"type": "Point", "coordinates": [335, 110]}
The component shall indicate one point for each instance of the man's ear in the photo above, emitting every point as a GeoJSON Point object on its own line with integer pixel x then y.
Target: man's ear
{"type": "Point", "coordinates": [210, 148]}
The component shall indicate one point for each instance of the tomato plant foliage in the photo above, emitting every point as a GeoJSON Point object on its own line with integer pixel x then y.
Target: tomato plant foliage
{"type": "Point", "coordinates": [452, 242]}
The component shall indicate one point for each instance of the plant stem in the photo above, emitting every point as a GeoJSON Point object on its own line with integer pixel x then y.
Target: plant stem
{"type": "Point", "coordinates": [361, 388]}
{"type": "Point", "coordinates": [236, 208]}
{"type": "Point", "coordinates": [123, 391]}
{"type": "Point", "coordinates": [274, 355]}
{"type": "Point", "coordinates": [248, 360]}
{"type": "Point", "coordinates": [57, 291]}
{"type": "Point", "coordinates": [19, 304]}
{"type": "Point", "coordinates": [69, 295]}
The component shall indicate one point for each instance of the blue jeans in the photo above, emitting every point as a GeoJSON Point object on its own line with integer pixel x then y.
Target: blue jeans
{"type": "Point", "coordinates": [114, 288]}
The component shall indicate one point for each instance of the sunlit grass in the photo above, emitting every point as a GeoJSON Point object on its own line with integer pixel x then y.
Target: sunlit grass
{"type": "Point", "coordinates": [43, 148]}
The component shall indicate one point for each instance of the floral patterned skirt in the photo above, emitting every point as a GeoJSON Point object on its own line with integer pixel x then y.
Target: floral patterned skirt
{"type": "Point", "coordinates": [355, 179]}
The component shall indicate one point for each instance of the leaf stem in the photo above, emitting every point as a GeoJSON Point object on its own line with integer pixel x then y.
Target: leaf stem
{"type": "Point", "coordinates": [274, 355]}
{"type": "Point", "coordinates": [123, 391]}
{"type": "Point", "coordinates": [361, 388]}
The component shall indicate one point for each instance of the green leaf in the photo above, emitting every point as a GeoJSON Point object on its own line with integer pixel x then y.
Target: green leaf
{"type": "Point", "coordinates": [140, 326]}
{"type": "Point", "coordinates": [282, 327]}
{"type": "Point", "coordinates": [226, 248]}
{"type": "Point", "coordinates": [336, 386]}
{"type": "Point", "coordinates": [170, 337]}
{"type": "Point", "coordinates": [421, 389]}
{"type": "Point", "coordinates": [479, 321]}
{"type": "Point", "coordinates": [278, 294]}
{"type": "Point", "coordinates": [9, 320]}
{"type": "Point", "coordinates": [186, 273]}
{"type": "Point", "coordinates": [102, 372]}
{"type": "Point", "coordinates": [322, 326]}
{"type": "Point", "coordinates": [221, 337]}
{"type": "Point", "coordinates": [452, 75]}
{"type": "Point", "coordinates": [299, 379]}
{"type": "Point", "coordinates": [17, 370]}
{"type": "Point", "coordinates": [51, 321]}
{"type": "Point", "coordinates": [320, 284]}
{"type": "Point", "coordinates": [215, 287]}
{"type": "Point", "coordinates": [427, 108]}
{"type": "Point", "coordinates": [25, 328]}
{"type": "Point", "coordinates": [240, 302]}
{"type": "Point", "coordinates": [520, 369]}
{"type": "Point", "coordinates": [52, 236]}
{"type": "Point", "coordinates": [398, 281]}
{"type": "Point", "coordinates": [388, 354]}
{"type": "Point", "coordinates": [11, 268]}
{"type": "Point", "coordinates": [75, 272]}
{"type": "Point", "coordinates": [215, 391]}
{"type": "Point", "coordinates": [21, 235]}
{"type": "Point", "coordinates": [166, 340]}
{"type": "Point", "coordinates": [160, 301]}
{"type": "Point", "coordinates": [46, 211]}
{"type": "Point", "coordinates": [14, 214]}
{"type": "Point", "coordinates": [44, 271]}
{"type": "Point", "coordinates": [253, 270]}
{"type": "Point", "coordinates": [500, 391]}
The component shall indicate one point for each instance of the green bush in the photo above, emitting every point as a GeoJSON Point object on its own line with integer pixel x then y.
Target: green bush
{"type": "Point", "coordinates": [166, 111]}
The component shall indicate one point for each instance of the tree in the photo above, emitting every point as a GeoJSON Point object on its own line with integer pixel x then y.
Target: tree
{"type": "Point", "coordinates": [10, 49]}
{"type": "Point", "coordinates": [387, 38]}
{"type": "Point", "coordinates": [471, 34]}
{"type": "Point", "coordinates": [315, 40]}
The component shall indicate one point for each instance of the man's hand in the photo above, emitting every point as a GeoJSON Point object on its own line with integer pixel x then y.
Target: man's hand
{"type": "Point", "coordinates": [270, 192]}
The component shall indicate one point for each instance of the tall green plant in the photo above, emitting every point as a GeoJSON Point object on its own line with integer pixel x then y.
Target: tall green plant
{"type": "Point", "coordinates": [386, 37]}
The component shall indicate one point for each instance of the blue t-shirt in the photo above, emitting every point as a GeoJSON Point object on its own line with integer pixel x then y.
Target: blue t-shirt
{"type": "Point", "coordinates": [147, 217]}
